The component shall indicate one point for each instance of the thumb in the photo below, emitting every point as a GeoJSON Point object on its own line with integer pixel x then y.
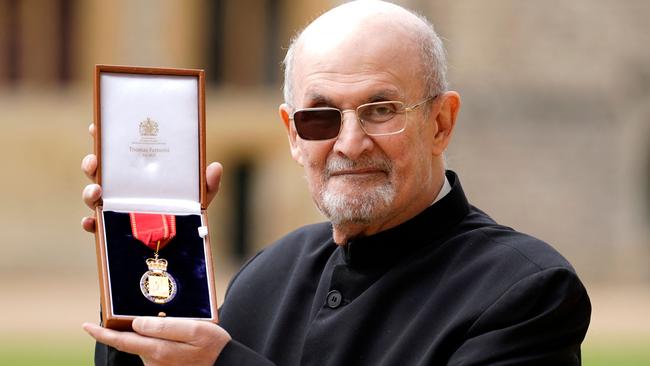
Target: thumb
{"type": "Point", "coordinates": [213, 179]}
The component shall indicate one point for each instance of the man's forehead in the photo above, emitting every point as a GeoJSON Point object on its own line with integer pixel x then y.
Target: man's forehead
{"type": "Point", "coordinates": [345, 47]}
{"type": "Point", "coordinates": [368, 75]}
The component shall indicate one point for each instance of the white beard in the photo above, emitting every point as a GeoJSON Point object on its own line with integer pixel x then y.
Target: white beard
{"type": "Point", "coordinates": [359, 205]}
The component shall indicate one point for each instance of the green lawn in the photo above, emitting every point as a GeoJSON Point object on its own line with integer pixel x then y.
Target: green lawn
{"type": "Point", "coordinates": [80, 352]}
{"type": "Point", "coordinates": [59, 353]}
{"type": "Point", "coordinates": [609, 354]}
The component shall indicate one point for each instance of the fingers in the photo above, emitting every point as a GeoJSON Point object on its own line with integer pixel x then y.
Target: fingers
{"type": "Point", "coordinates": [88, 224]}
{"type": "Point", "coordinates": [89, 166]}
{"type": "Point", "coordinates": [124, 341]}
{"type": "Point", "coordinates": [91, 195]}
{"type": "Point", "coordinates": [213, 179]}
{"type": "Point", "coordinates": [201, 344]}
{"type": "Point", "coordinates": [193, 332]}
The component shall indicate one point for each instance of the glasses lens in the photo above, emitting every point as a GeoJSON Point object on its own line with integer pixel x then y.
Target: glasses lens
{"type": "Point", "coordinates": [317, 124]}
{"type": "Point", "coordinates": [382, 117]}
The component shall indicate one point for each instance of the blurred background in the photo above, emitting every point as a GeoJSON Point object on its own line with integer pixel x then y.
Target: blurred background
{"type": "Point", "coordinates": [553, 139]}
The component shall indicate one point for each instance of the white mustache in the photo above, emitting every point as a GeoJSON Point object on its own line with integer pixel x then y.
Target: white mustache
{"type": "Point", "coordinates": [337, 164]}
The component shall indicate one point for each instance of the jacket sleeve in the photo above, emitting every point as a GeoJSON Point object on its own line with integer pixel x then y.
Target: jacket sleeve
{"type": "Point", "coordinates": [540, 320]}
{"type": "Point", "coordinates": [109, 356]}
{"type": "Point", "coordinates": [235, 353]}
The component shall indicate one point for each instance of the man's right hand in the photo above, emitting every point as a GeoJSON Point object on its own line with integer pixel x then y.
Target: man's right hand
{"type": "Point", "coordinates": [92, 193]}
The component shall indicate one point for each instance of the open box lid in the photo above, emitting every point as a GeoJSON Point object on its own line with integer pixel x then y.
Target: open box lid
{"type": "Point", "coordinates": [150, 138]}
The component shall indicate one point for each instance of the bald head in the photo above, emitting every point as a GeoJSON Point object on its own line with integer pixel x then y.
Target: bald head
{"type": "Point", "coordinates": [369, 23]}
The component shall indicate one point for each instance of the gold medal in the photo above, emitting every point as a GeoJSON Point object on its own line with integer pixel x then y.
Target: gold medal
{"type": "Point", "coordinates": [155, 231]}
{"type": "Point", "coordinates": [157, 285]}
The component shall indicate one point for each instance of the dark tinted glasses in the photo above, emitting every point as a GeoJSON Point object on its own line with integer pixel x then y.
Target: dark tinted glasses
{"type": "Point", "coordinates": [376, 119]}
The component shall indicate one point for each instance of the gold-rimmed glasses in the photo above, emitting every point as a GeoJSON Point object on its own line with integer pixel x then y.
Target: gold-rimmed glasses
{"type": "Point", "coordinates": [376, 119]}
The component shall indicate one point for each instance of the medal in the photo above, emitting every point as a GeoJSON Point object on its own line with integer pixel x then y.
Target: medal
{"type": "Point", "coordinates": [155, 231]}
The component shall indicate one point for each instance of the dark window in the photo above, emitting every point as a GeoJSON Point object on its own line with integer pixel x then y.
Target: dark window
{"type": "Point", "coordinates": [10, 48]}
{"type": "Point", "coordinates": [216, 37]}
{"type": "Point", "coordinates": [243, 42]}
{"type": "Point", "coordinates": [66, 30]}
{"type": "Point", "coordinates": [242, 225]}
{"type": "Point", "coordinates": [36, 41]}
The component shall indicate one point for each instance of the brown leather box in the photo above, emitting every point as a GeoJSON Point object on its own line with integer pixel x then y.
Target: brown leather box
{"type": "Point", "coordinates": [150, 147]}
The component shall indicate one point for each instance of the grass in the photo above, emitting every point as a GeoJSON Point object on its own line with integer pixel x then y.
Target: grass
{"type": "Point", "coordinates": [80, 353]}
{"type": "Point", "coordinates": [616, 354]}
{"type": "Point", "coordinates": [52, 354]}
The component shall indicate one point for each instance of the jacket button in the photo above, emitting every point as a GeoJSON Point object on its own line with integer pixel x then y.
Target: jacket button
{"type": "Point", "coordinates": [334, 299]}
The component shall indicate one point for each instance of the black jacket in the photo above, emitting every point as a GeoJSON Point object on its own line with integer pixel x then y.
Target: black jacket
{"type": "Point", "coordinates": [448, 287]}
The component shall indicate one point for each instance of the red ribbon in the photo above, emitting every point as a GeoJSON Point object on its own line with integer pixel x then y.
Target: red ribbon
{"type": "Point", "coordinates": [154, 230]}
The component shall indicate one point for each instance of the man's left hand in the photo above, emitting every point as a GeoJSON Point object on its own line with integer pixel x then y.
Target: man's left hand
{"type": "Point", "coordinates": [166, 341]}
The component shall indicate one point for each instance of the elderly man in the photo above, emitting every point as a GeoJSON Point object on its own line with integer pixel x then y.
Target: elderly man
{"type": "Point", "coordinates": [406, 271]}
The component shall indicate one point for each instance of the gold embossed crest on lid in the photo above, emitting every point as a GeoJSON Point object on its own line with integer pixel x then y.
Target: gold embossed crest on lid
{"type": "Point", "coordinates": [149, 127]}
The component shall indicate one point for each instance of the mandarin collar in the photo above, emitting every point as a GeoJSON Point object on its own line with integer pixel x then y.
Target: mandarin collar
{"type": "Point", "coordinates": [386, 247]}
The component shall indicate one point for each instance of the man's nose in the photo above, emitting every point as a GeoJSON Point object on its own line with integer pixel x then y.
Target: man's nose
{"type": "Point", "coordinates": [352, 140]}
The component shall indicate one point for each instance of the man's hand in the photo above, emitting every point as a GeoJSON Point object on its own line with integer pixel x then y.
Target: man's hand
{"type": "Point", "coordinates": [166, 341]}
{"type": "Point", "coordinates": [92, 193]}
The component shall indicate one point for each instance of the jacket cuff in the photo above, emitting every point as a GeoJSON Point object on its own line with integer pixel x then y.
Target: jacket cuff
{"type": "Point", "coordinates": [235, 353]}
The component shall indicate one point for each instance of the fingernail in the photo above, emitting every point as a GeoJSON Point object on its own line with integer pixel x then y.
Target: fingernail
{"type": "Point", "coordinates": [138, 323]}
{"type": "Point", "coordinates": [145, 322]}
{"type": "Point", "coordinates": [87, 327]}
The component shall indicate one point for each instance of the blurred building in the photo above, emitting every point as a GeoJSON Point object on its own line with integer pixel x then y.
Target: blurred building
{"type": "Point", "coordinates": [553, 138]}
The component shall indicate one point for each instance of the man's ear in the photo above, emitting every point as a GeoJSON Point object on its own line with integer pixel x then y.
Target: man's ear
{"type": "Point", "coordinates": [448, 105]}
{"type": "Point", "coordinates": [291, 132]}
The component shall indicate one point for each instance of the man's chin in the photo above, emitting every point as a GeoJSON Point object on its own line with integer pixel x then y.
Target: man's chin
{"type": "Point", "coordinates": [349, 187]}
{"type": "Point", "coordinates": [358, 207]}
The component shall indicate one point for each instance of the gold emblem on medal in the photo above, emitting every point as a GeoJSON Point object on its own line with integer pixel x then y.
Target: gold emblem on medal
{"type": "Point", "coordinates": [156, 284]}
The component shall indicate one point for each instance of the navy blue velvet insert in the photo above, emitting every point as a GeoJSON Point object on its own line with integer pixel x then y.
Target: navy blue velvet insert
{"type": "Point", "coordinates": [186, 257]}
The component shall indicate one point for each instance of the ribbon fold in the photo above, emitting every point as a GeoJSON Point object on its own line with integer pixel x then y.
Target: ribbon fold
{"type": "Point", "coordinates": [153, 230]}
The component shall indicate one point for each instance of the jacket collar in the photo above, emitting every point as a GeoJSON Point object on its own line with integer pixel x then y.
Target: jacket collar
{"type": "Point", "coordinates": [388, 246]}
